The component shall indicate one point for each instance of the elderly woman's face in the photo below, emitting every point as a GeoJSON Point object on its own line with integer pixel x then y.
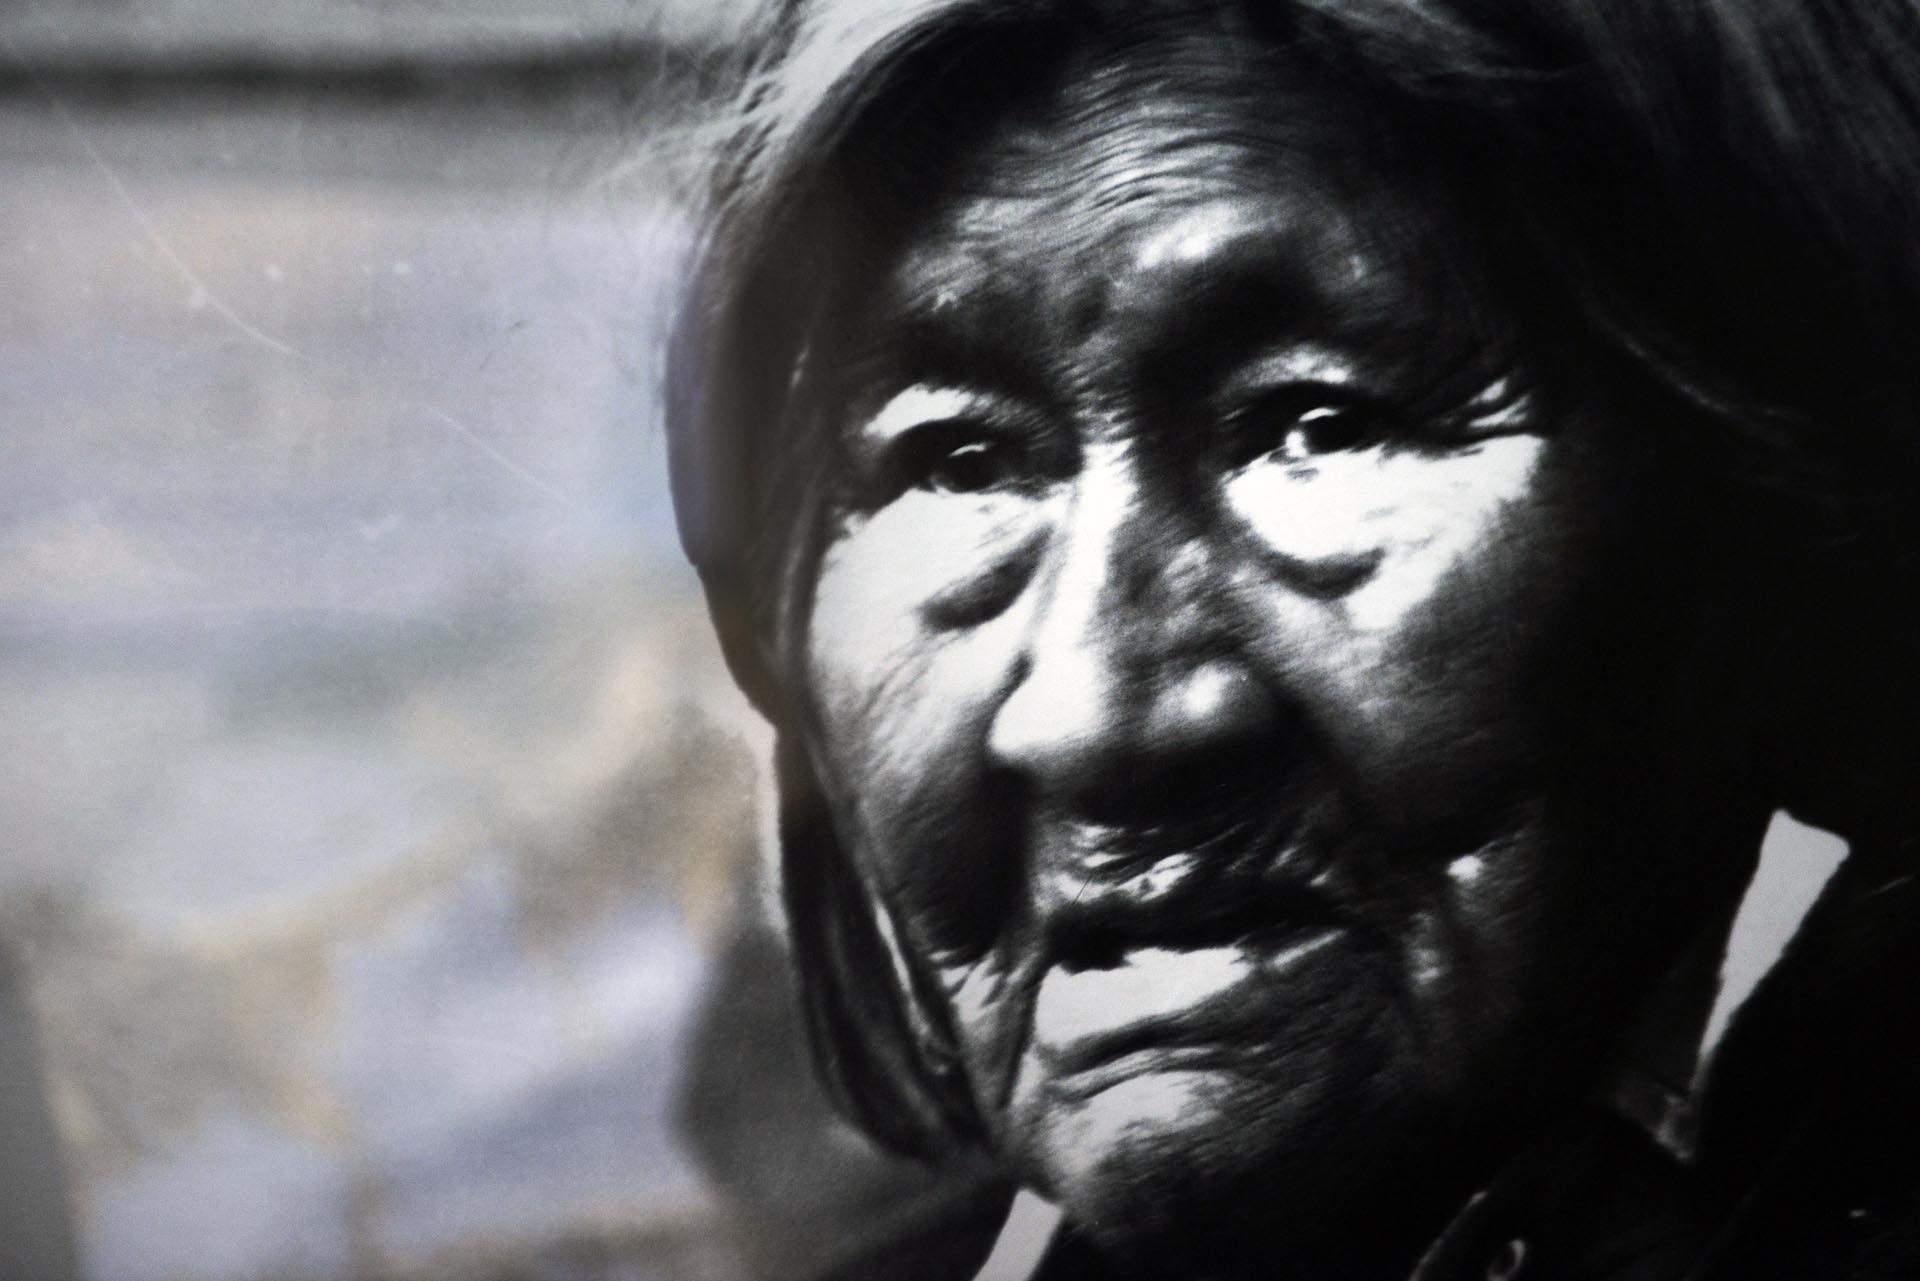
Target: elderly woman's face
{"type": "Point", "coordinates": [1183, 659]}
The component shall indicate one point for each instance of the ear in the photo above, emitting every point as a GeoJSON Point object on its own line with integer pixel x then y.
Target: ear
{"type": "Point", "coordinates": [871, 1044]}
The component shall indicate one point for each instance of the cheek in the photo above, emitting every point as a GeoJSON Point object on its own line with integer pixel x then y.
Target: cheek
{"type": "Point", "coordinates": [1416, 669]}
{"type": "Point", "coordinates": [894, 611]}
{"type": "Point", "coordinates": [1419, 520]}
{"type": "Point", "coordinates": [908, 643]}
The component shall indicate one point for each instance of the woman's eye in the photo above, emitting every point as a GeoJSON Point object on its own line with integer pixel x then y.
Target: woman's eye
{"type": "Point", "coordinates": [959, 458]}
{"type": "Point", "coordinates": [1329, 429]}
{"type": "Point", "coordinates": [1299, 424]}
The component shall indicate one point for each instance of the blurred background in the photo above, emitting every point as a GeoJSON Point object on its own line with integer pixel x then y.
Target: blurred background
{"type": "Point", "coordinates": [382, 894]}
{"type": "Point", "coordinates": [381, 852]}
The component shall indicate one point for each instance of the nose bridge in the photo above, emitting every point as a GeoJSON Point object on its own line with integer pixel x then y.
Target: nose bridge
{"type": "Point", "coordinates": [1123, 613]}
{"type": "Point", "coordinates": [1101, 570]}
{"type": "Point", "coordinates": [1127, 588]}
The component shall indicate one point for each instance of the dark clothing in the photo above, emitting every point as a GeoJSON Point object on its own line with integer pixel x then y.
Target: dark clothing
{"type": "Point", "coordinates": [1808, 1160]}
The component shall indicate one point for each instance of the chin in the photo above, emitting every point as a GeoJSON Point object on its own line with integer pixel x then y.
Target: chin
{"type": "Point", "coordinates": [1212, 1173]}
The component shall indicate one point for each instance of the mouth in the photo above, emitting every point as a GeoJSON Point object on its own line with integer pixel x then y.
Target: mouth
{"type": "Point", "coordinates": [1161, 1009]}
{"type": "Point", "coordinates": [1216, 874]}
{"type": "Point", "coordinates": [1177, 940]}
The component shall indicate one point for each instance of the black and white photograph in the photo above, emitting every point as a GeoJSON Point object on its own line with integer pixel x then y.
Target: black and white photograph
{"type": "Point", "coordinates": [960, 640]}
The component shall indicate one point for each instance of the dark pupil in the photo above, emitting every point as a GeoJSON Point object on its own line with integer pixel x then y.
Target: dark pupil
{"type": "Point", "coordinates": [968, 466]}
{"type": "Point", "coordinates": [1331, 429]}
{"type": "Point", "coordinates": [1301, 421]}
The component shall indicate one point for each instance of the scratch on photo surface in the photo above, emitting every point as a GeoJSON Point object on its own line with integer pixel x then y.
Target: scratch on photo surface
{"type": "Point", "coordinates": [205, 295]}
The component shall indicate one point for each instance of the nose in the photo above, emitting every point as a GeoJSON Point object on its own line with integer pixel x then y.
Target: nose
{"type": "Point", "coordinates": [1134, 661]}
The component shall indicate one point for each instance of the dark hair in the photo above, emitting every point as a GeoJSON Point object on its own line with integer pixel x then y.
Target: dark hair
{"type": "Point", "coordinates": [1722, 196]}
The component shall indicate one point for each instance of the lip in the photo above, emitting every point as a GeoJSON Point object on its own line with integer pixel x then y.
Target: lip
{"type": "Point", "coordinates": [1105, 893]}
{"type": "Point", "coordinates": [1114, 848]}
{"type": "Point", "coordinates": [1162, 1008]}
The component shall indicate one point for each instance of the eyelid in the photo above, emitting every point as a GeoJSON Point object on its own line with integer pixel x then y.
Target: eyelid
{"type": "Point", "coordinates": [1503, 404]}
{"type": "Point", "coordinates": [1302, 402]}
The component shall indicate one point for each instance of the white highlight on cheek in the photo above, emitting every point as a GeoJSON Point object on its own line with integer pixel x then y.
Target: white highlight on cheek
{"type": "Point", "coordinates": [1319, 510]}
{"type": "Point", "coordinates": [918, 545]}
{"type": "Point", "coordinates": [889, 687]}
{"type": "Point", "coordinates": [879, 574]}
{"type": "Point", "coordinates": [862, 616]}
{"type": "Point", "coordinates": [1440, 514]}
{"type": "Point", "coordinates": [1423, 511]}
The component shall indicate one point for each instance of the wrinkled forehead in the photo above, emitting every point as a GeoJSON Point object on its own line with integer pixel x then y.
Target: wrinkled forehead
{"type": "Point", "coordinates": [1167, 119]}
{"type": "Point", "coordinates": [1095, 195]}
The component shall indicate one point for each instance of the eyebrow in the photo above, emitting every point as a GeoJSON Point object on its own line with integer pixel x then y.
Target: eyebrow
{"type": "Point", "coordinates": [902, 347]}
{"type": "Point", "coordinates": [1238, 315]}
{"type": "Point", "coordinates": [917, 404]}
